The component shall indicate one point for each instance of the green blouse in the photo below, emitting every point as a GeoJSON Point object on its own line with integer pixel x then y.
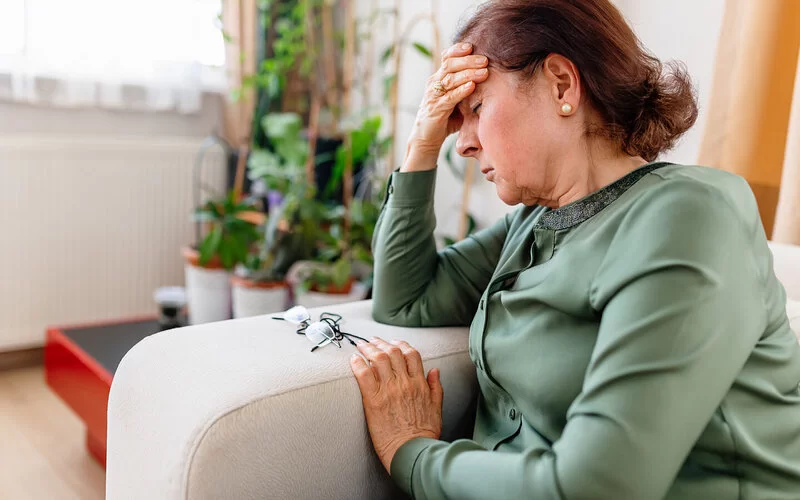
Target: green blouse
{"type": "Point", "coordinates": [633, 344]}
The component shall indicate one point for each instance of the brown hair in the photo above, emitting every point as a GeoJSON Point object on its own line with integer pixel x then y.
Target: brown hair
{"type": "Point", "coordinates": [646, 107]}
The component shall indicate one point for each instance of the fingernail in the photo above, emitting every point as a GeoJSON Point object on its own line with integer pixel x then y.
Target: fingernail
{"type": "Point", "coordinates": [354, 357]}
{"type": "Point", "coordinates": [480, 59]}
{"type": "Point", "coordinates": [394, 342]}
{"type": "Point", "coordinates": [465, 46]}
{"type": "Point", "coordinates": [481, 72]}
{"type": "Point", "coordinates": [373, 339]}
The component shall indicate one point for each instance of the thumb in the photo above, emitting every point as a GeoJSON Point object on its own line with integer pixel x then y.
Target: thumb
{"type": "Point", "coordinates": [435, 384]}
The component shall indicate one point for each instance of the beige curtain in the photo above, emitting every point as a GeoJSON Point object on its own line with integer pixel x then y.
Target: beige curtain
{"type": "Point", "coordinates": [239, 18]}
{"type": "Point", "coordinates": [751, 101]}
{"type": "Point", "coordinates": [787, 219]}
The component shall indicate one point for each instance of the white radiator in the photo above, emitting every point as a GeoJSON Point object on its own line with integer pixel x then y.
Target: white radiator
{"type": "Point", "coordinates": [89, 227]}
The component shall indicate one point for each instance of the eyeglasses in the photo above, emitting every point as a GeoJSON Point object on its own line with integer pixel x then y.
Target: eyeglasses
{"type": "Point", "coordinates": [323, 332]}
{"type": "Point", "coordinates": [296, 315]}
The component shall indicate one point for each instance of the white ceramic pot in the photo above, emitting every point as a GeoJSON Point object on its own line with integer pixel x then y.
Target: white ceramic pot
{"type": "Point", "coordinates": [255, 299]}
{"type": "Point", "coordinates": [319, 299]}
{"type": "Point", "coordinates": [208, 291]}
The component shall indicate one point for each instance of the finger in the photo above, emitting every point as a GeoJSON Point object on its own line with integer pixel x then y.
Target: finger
{"type": "Point", "coordinates": [435, 384]}
{"type": "Point", "coordinates": [396, 356]}
{"type": "Point", "coordinates": [413, 359]}
{"type": "Point", "coordinates": [461, 63]}
{"type": "Point", "coordinates": [365, 377]}
{"type": "Point", "coordinates": [459, 49]}
{"type": "Point", "coordinates": [379, 359]}
{"type": "Point", "coordinates": [447, 103]}
{"type": "Point", "coordinates": [454, 80]}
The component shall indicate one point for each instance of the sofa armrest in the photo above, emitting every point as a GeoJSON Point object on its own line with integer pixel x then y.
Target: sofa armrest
{"type": "Point", "coordinates": [243, 409]}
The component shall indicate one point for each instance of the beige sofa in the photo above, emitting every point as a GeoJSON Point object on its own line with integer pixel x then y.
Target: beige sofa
{"type": "Point", "coordinates": [241, 409]}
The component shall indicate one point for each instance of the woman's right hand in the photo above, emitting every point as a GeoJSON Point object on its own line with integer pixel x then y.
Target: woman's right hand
{"type": "Point", "coordinates": [437, 116]}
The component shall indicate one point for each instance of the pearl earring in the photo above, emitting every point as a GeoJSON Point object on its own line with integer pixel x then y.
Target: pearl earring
{"type": "Point", "coordinates": [566, 108]}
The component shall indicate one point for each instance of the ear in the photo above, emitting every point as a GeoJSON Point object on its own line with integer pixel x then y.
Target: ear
{"type": "Point", "coordinates": [564, 82]}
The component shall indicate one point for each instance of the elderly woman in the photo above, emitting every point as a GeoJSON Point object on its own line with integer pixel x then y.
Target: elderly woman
{"type": "Point", "coordinates": [629, 334]}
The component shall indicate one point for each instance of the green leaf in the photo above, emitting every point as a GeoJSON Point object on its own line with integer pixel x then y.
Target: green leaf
{"type": "Point", "coordinates": [361, 140]}
{"type": "Point", "coordinates": [341, 272]}
{"type": "Point", "coordinates": [226, 253]}
{"type": "Point", "coordinates": [387, 85]}
{"type": "Point", "coordinates": [283, 125]}
{"type": "Point", "coordinates": [210, 245]}
{"type": "Point", "coordinates": [387, 54]}
{"type": "Point", "coordinates": [449, 241]}
{"type": "Point", "coordinates": [471, 224]}
{"type": "Point", "coordinates": [425, 51]}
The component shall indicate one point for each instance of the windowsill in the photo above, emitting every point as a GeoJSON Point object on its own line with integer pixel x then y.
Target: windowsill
{"type": "Point", "coordinates": [127, 96]}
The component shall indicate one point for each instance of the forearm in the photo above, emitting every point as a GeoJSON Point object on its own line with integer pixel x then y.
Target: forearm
{"type": "Point", "coordinates": [414, 284]}
{"type": "Point", "coordinates": [404, 248]}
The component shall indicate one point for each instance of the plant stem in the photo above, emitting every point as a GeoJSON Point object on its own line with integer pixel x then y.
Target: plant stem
{"type": "Point", "coordinates": [329, 51]}
{"type": "Point", "coordinates": [313, 119]}
{"type": "Point", "coordinates": [367, 82]}
{"type": "Point", "coordinates": [394, 88]}
{"type": "Point", "coordinates": [349, 62]}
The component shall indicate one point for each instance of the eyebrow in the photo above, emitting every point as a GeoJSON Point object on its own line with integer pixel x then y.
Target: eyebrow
{"type": "Point", "coordinates": [469, 101]}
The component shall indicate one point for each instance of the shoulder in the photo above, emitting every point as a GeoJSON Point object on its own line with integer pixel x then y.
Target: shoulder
{"type": "Point", "coordinates": [693, 200]}
{"type": "Point", "coordinates": [683, 219]}
{"type": "Point", "coordinates": [685, 216]}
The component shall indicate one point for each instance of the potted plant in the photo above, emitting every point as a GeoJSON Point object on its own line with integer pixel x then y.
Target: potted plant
{"type": "Point", "coordinates": [341, 269]}
{"type": "Point", "coordinates": [289, 231]}
{"type": "Point", "coordinates": [233, 229]}
{"type": "Point", "coordinates": [258, 284]}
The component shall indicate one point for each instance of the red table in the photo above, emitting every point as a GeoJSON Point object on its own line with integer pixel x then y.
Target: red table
{"type": "Point", "coordinates": [79, 364]}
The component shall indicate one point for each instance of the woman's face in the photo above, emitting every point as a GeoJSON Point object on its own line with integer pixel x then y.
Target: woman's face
{"type": "Point", "coordinates": [517, 135]}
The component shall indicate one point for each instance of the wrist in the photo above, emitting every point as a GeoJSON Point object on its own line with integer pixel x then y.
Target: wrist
{"type": "Point", "coordinates": [420, 158]}
{"type": "Point", "coordinates": [391, 449]}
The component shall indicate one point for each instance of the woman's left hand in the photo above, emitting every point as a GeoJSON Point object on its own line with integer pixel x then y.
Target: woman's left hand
{"type": "Point", "coordinates": [400, 402]}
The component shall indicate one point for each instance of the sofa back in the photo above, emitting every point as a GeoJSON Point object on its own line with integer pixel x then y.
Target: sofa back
{"type": "Point", "coordinates": [787, 269]}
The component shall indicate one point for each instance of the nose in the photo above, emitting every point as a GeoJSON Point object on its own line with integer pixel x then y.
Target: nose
{"type": "Point", "coordinates": [467, 144]}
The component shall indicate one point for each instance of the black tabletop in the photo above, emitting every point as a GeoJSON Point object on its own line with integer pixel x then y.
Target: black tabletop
{"type": "Point", "coordinates": [108, 343]}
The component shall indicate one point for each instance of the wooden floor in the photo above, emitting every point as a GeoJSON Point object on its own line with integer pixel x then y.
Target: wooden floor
{"type": "Point", "coordinates": [42, 451]}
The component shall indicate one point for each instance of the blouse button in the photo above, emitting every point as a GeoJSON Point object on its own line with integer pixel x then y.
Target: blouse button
{"type": "Point", "coordinates": [512, 414]}
{"type": "Point", "coordinates": [481, 304]}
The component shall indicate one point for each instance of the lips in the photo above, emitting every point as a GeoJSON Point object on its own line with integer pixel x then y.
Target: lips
{"type": "Point", "coordinates": [488, 172]}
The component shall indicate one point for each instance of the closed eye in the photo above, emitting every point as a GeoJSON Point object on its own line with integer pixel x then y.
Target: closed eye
{"type": "Point", "coordinates": [476, 107]}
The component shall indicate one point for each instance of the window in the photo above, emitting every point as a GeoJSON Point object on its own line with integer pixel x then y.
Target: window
{"type": "Point", "coordinates": [94, 52]}
{"type": "Point", "coordinates": [12, 27]}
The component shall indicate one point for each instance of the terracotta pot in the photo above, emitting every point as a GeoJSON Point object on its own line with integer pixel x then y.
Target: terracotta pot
{"type": "Point", "coordinates": [255, 298]}
{"type": "Point", "coordinates": [192, 256]}
{"type": "Point", "coordinates": [337, 290]}
{"type": "Point", "coordinates": [313, 299]}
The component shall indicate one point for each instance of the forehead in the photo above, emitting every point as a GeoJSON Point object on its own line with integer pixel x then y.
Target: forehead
{"type": "Point", "coordinates": [498, 82]}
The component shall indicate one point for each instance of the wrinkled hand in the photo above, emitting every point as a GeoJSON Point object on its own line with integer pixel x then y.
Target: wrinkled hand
{"type": "Point", "coordinates": [437, 116]}
{"type": "Point", "coordinates": [400, 403]}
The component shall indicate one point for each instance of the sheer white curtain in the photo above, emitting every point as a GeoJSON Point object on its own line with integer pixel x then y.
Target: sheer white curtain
{"type": "Point", "coordinates": [143, 54]}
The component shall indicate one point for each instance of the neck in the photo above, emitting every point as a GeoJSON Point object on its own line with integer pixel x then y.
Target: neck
{"type": "Point", "coordinates": [587, 170]}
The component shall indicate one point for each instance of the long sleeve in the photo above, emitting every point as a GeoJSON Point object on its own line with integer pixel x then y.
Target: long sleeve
{"type": "Point", "coordinates": [680, 299]}
{"type": "Point", "coordinates": [414, 284]}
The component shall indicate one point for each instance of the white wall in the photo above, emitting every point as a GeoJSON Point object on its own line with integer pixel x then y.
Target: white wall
{"type": "Point", "coordinates": [686, 30]}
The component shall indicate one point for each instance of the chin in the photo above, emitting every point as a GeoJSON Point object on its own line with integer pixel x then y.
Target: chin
{"type": "Point", "coordinates": [509, 199]}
